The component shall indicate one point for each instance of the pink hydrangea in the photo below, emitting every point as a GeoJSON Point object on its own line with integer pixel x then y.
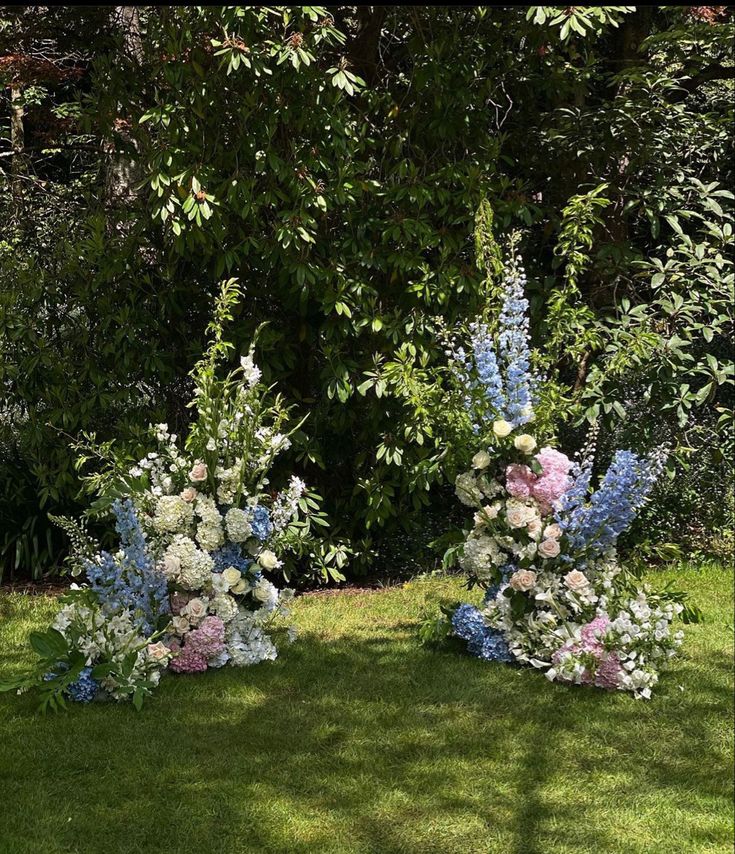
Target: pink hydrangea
{"type": "Point", "coordinates": [186, 659]}
{"type": "Point", "coordinates": [546, 488]}
{"type": "Point", "coordinates": [607, 671]}
{"type": "Point", "coordinates": [549, 488]}
{"type": "Point", "coordinates": [594, 630]}
{"type": "Point", "coordinates": [519, 480]}
{"type": "Point", "coordinates": [209, 639]}
{"type": "Point", "coordinates": [553, 461]}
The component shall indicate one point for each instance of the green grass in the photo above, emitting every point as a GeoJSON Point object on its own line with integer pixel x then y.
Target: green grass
{"type": "Point", "coordinates": [360, 740]}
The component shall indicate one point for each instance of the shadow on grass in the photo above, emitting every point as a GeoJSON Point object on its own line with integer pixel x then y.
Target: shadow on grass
{"type": "Point", "coordinates": [375, 745]}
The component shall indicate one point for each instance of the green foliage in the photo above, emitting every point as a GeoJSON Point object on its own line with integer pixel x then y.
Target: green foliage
{"type": "Point", "coordinates": [335, 160]}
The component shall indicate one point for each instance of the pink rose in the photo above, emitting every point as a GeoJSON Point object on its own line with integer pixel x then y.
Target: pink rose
{"type": "Point", "coordinates": [523, 580]}
{"type": "Point", "coordinates": [189, 494]}
{"type": "Point", "coordinates": [549, 548]}
{"type": "Point", "coordinates": [198, 472]}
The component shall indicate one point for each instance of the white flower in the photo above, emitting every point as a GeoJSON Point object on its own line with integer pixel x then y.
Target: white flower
{"type": "Point", "coordinates": [502, 428]}
{"type": "Point", "coordinates": [552, 532]}
{"type": "Point", "coordinates": [231, 576]}
{"type": "Point", "coordinates": [268, 560]}
{"type": "Point", "coordinates": [171, 566]}
{"type": "Point", "coordinates": [575, 580]}
{"type": "Point", "coordinates": [525, 443]}
{"type": "Point", "coordinates": [237, 523]}
{"type": "Point", "coordinates": [180, 625]}
{"type": "Point", "coordinates": [467, 490]}
{"type": "Point", "coordinates": [195, 609]}
{"type": "Point", "coordinates": [481, 460]}
{"type": "Point", "coordinates": [172, 515]}
{"type": "Point", "coordinates": [549, 548]}
{"type": "Point", "coordinates": [516, 515]}
{"type": "Point", "coordinates": [188, 494]}
{"type": "Point", "coordinates": [195, 565]}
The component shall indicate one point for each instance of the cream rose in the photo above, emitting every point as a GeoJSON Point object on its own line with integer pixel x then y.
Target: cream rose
{"type": "Point", "coordinates": [189, 494]}
{"type": "Point", "coordinates": [576, 580]}
{"type": "Point", "coordinates": [525, 443]}
{"type": "Point", "coordinates": [198, 472]}
{"type": "Point", "coordinates": [267, 559]}
{"type": "Point", "coordinates": [180, 625]}
{"type": "Point", "coordinates": [523, 580]}
{"type": "Point", "coordinates": [549, 548]}
{"type": "Point", "coordinates": [240, 587]}
{"type": "Point", "coordinates": [534, 528]}
{"type": "Point", "coordinates": [231, 576]}
{"type": "Point", "coordinates": [171, 566]}
{"type": "Point", "coordinates": [194, 609]}
{"type": "Point", "coordinates": [516, 516]}
{"type": "Point", "coordinates": [552, 532]}
{"type": "Point", "coordinates": [502, 428]}
{"type": "Point", "coordinates": [481, 460]}
{"type": "Point", "coordinates": [158, 651]}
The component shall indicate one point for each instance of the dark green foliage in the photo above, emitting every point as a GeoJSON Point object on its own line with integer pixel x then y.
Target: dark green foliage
{"type": "Point", "coordinates": [337, 162]}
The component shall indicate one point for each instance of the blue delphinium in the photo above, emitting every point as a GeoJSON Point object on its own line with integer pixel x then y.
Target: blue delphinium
{"type": "Point", "coordinates": [84, 689]}
{"type": "Point", "coordinates": [230, 555]}
{"type": "Point", "coordinates": [513, 345]}
{"type": "Point", "coordinates": [261, 524]}
{"type": "Point", "coordinates": [482, 641]}
{"type": "Point", "coordinates": [593, 528]}
{"type": "Point", "coordinates": [130, 581]}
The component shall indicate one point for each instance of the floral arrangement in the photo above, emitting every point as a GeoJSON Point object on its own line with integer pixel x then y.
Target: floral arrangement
{"type": "Point", "coordinates": [200, 530]}
{"type": "Point", "coordinates": [542, 544]}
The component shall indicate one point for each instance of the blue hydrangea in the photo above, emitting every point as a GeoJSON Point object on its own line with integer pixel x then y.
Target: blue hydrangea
{"type": "Point", "coordinates": [261, 524]}
{"type": "Point", "coordinates": [130, 581]}
{"type": "Point", "coordinates": [482, 641]}
{"type": "Point", "coordinates": [467, 623]}
{"type": "Point", "coordinates": [494, 647]}
{"type": "Point", "coordinates": [230, 555]}
{"type": "Point", "coordinates": [84, 689]}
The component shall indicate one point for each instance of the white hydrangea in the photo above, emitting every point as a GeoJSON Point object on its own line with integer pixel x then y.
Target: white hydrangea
{"type": "Point", "coordinates": [210, 531]}
{"type": "Point", "coordinates": [468, 492]}
{"type": "Point", "coordinates": [195, 565]}
{"type": "Point", "coordinates": [224, 607]}
{"type": "Point", "coordinates": [253, 649]}
{"type": "Point", "coordinates": [238, 525]}
{"type": "Point", "coordinates": [480, 555]}
{"type": "Point", "coordinates": [172, 515]}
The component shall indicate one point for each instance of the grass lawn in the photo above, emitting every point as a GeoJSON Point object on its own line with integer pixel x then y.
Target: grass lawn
{"type": "Point", "coordinates": [360, 740]}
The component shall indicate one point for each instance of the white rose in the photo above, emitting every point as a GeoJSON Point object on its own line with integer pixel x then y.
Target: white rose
{"type": "Point", "coordinates": [525, 443]}
{"type": "Point", "coordinates": [534, 528]}
{"type": "Point", "coordinates": [231, 576]}
{"type": "Point", "coordinates": [576, 580]}
{"type": "Point", "coordinates": [268, 560]}
{"type": "Point", "coordinates": [180, 625]}
{"type": "Point", "coordinates": [240, 587]}
{"type": "Point", "coordinates": [523, 580]}
{"type": "Point", "coordinates": [195, 609]}
{"type": "Point", "coordinates": [552, 532]}
{"type": "Point", "coordinates": [198, 472]}
{"type": "Point", "coordinates": [549, 548]}
{"type": "Point", "coordinates": [516, 516]}
{"type": "Point", "coordinates": [502, 428]}
{"type": "Point", "coordinates": [481, 460]}
{"type": "Point", "coordinates": [171, 566]}
{"type": "Point", "coordinates": [188, 494]}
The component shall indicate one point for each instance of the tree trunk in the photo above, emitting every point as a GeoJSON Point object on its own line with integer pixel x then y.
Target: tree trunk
{"type": "Point", "coordinates": [123, 170]}
{"type": "Point", "coordinates": [17, 143]}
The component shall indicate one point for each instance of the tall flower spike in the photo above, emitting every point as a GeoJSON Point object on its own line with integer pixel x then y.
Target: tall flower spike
{"type": "Point", "coordinates": [513, 341]}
